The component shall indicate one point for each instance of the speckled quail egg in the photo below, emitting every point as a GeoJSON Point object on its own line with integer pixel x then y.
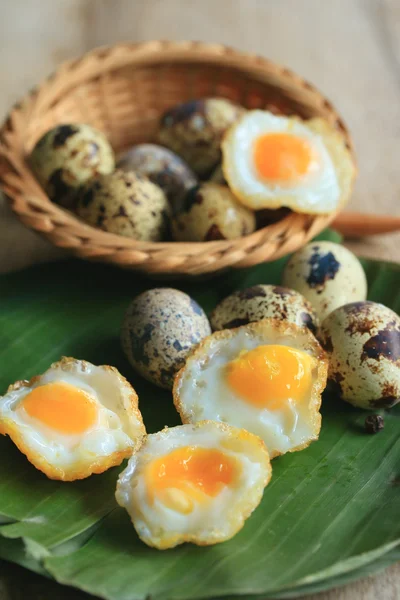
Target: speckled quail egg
{"type": "Point", "coordinates": [271, 161]}
{"type": "Point", "coordinates": [265, 216]}
{"type": "Point", "coordinates": [327, 274]}
{"type": "Point", "coordinates": [126, 204]}
{"type": "Point", "coordinates": [363, 343]}
{"type": "Point", "coordinates": [194, 483]}
{"type": "Point", "coordinates": [211, 212]}
{"type": "Point", "coordinates": [69, 156]}
{"type": "Point", "coordinates": [194, 130]}
{"type": "Point", "coordinates": [159, 330]}
{"type": "Point", "coordinates": [162, 167]}
{"type": "Point", "coordinates": [261, 302]}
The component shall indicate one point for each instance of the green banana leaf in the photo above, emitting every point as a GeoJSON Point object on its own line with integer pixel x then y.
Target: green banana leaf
{"type": "Point", "coordinates": [329, 515]}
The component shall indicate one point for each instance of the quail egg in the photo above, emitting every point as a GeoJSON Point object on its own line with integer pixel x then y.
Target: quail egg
{"type": "Point", "coordinates": [363, 342]}
{"type": "Point", "coordinates": [272, 161]}
{"type": "Point", "coordinates": [265, 216]}
{"type": "Point", "coordinates": [194, 483]}
{"type": "Point", "coordinates": [266, 377]}
{"type": "Point", "coordinates": [327, 274]}
{"type": "Point", "coordinates": [159, 330]}
{"type": "Point", "coordinates": [126, 204]}
{"type": "Point", "coordinates": [194, 130]}
{"type": "Point", "coordinates": [73, 420]}
{"type": "Point", "coordinates": [162, 167]}
{"type": "Point", "coordinates": [211, 212]}
{"type": "Point", "coordinates": [261, 302]}
{"type": "Point", "coordinates": [69, 156]}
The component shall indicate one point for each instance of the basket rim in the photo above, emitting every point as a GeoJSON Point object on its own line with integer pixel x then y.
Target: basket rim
{"type": "Point", "coordinates": [40, 213]}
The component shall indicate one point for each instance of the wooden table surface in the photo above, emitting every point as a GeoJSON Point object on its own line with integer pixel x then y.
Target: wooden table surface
{"type": "Point", "coordinates": [350, 49]}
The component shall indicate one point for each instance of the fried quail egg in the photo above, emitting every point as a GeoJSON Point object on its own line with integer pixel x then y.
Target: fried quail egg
{"type": "Point", "coordinates": [194, 483]}
{"type": "Point", "coordinates": [160, 328]}
{"type": "Point", "coordinates": [69, 156]}
{"type": "Point", "coordinates": [211, 212]}
{"type": "Point", "coordinates": [327, 274]}
{"type": "Point", "coordinates": [162, 167]}
{"type": "Point", "coordinates": [272, 161]}
{"type": "Point", "coordinates": [126, 204]}
{"type": "Point", "coordinates": [363, 343]}
{"type": "Point", "coordinates": [261, 302]}
{"type": "Point", "coordinates": [74, 420]}
{"type": "Point", "coordinates": [194, 130]}
{"type": "Point", "coordinates": [266, 377]}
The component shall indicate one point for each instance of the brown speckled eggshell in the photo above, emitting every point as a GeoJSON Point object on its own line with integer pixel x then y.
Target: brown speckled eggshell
{"type": "Point", "coordinates": [327, 274]}
{"type": "Point", "coordinates": [68, 157]}
{"type": "Point", "coordinates": [211, 212]}
{"type": "Point", "coordinates": [159, 330]}
{"type": "Point", "coordinates": [194, 130]}
{"type": "Point", "coordinates": [261, 302]}
{"type": "Point", "coordinates": [163, 167]}
{"type": "Point", "coordinates": [126, 204]}
{"type": "Point", "coordinates": [363, 343]}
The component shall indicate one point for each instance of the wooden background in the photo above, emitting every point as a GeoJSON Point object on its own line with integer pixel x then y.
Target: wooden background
{"type": "Point", "coordinates": [350, 49]}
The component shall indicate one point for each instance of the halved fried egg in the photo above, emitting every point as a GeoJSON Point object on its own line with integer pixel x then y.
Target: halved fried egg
{"type": "Point", "coordinates": [271, 161]}
{"type": "Point", "coordinates": [74, 420]}
{"type": "Point", "coordinates": [194, 483]}
{"type": "Point", "coordinates": [266, 377]}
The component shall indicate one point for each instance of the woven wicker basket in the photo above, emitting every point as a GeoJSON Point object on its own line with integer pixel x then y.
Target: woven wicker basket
{"type": "Point", "coordinates": [122, 90]}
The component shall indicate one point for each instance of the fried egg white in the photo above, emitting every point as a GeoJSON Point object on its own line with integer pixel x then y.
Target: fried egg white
{"type": "Point", "coordinates": [74, 420]}
{"type": "Point", "coordinates": [194, 483]}
{"type": "Point", "coordinates": [266, 377]}
{"type": "Point", "coordinates": [271, 161]}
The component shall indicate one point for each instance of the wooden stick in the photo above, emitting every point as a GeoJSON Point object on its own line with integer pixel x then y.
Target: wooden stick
{"type": "Point", "coordinates": [358, 224]}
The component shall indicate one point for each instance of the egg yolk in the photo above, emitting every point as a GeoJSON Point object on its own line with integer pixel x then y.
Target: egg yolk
{"type": "Point", "coordinates": [190, 473]}
{"type": "Point", "coordinates": [62, 407]}
{"type": "Point", "coordinates": [268, 376]}
{"type": "Point", "coordinates": [283, 157]}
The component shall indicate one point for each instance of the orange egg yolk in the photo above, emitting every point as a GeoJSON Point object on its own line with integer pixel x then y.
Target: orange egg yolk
{"type": "Point", "coordinates": [190, 473]}
{"type": "Point", "coordinates": [268, 376]}
{"type": "Point", "coordinates": [283, 157]}
{"type": "Point", "coordinates": [62, 407]}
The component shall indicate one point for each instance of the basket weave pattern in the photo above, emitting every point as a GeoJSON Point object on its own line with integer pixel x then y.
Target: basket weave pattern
{"type": "Point", "coordinates": [122, 91]}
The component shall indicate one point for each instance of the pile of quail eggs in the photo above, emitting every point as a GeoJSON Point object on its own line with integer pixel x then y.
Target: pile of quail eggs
{"type": "Point", "coordinates": [216, 171]}
{"type": "Point", "coordinates": [324, 289]}
{"type": "Point", "coordinates": [362, 338]}
{"type": "Point", "coordinates": [151, 192]}
{"type": "Point", "coordinates": [177, 189]}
